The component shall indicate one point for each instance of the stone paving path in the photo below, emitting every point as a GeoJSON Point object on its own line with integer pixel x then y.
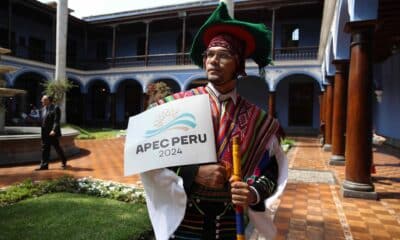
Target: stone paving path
{"type": "Point", "coordinates": [317, 210]}
{"type": "Point", "coordinates": [310, 208]}
{"type": "Point", "coordinates": [99, 159]}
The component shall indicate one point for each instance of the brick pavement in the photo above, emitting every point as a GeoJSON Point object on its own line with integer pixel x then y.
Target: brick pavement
{"type": "Point", "coordinates": [308, 209]}
{"type": "Point", "coordinates": [317, 210]}
{"type": "Point", "coordinates": [99, 159]}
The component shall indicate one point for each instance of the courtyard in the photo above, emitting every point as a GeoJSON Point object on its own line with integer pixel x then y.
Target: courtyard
{"type": "Point", "coordinates": [311, 206]}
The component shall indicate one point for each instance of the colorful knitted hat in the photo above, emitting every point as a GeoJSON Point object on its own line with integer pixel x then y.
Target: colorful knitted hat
{"type": "Point", "coordinates": [256, 37]}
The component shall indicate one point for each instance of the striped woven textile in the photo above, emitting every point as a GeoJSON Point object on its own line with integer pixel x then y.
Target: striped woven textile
{"type": "Point", "coordinates": [253, 126]}
{"type": "Point", "coordinates": [210, 214]}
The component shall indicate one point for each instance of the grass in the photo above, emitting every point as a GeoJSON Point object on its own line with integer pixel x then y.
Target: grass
{"type": "Point", "coordinates": [288, 141]}
{"type": "Point", "coordinates": [74, 216]}
{"type": "Point", "coordinates": [95, 133]}
{"type": "Point", "coordinates": [287, 144]}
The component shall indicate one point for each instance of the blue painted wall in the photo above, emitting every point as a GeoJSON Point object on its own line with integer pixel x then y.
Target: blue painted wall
{"type": "Point", "coordinates": [387, 112]}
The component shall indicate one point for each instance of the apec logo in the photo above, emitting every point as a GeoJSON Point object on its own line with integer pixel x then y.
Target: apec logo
{"type": "Point", "coordinates": [169, 120]}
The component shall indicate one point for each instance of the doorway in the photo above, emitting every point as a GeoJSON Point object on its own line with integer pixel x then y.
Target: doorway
{"type": "Point", "coordinates": [301, 104]}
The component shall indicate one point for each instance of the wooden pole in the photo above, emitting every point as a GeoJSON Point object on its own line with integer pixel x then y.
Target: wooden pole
{"type": "Point", "coordinates": [339, 112]}
{"type": "Point", "coordinates": [237, 174]}
{"type": "Point", "coordinates": [146, 48]}
{"type": "Point", "coordinates": [9, 37]}
{"type": "Point", "coordinates": [359, 113]}
{"type": "Point", "coordinates": [321, 115]}
{"type": "Point", "coordinates": [273, 34]}
{"type": "Point", "coordinates": [271, 104]}
{"type": "Point", "coordinates": [114, 38]}
{"type": "Point", "coordinates": [183, 38]}
{"type": "Point", "coordinates": [328, 115]}
{"type": "Point", "coordinates": [113, 103]}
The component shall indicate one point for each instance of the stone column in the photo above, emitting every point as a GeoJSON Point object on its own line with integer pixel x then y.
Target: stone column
{"type": "Point", "coordinates": [328, 114]}
{"type": "Point", "coordinates": [339, 112]}
{"type": "Point", "coordinates": [61, 48]}
{"type": "Point", "coordinates": [271, 104]}
{"type": "Point", "coordinates": [359, 113]}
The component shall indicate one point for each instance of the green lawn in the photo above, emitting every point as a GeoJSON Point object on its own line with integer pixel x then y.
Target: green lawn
{"type": "Point", "coordinates": [96, 133]}
{"type": "Point", "coordinates": [73, 216]}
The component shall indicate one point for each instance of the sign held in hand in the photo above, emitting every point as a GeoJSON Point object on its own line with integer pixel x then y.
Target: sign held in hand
{"type": "Point", "coordinates": [173, 134]}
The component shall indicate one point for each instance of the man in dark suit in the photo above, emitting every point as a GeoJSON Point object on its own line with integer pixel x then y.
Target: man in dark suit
{"type": "Point", "coordinates": [51, 132]}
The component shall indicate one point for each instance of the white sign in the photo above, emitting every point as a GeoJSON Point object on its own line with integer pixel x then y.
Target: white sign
{"type": "Point", "coordinates": [176, 133]}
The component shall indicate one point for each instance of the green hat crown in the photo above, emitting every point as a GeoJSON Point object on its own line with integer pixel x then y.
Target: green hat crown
{"type": "Point", "coordinates": [257, 37]}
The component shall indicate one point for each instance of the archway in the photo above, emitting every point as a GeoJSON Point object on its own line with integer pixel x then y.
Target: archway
{"type": "Point", "coordinates": [254, 89]}
{"type": "Point", "coordinates": [98, 110]}
{"type": "Point", "coordinates": [18, 108]}
{"type": "Point", "coordinates": [297, 103]}
{"type": "Point", "coordinates": [129, 101]}
{"type": "Point", "coordinates": [74, 106]}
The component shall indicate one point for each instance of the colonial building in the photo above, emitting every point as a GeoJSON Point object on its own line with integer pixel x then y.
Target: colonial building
{"type": "Point", "coordinates": [336, 64]}
{"type": "Point", "coordinates": [112, 58]}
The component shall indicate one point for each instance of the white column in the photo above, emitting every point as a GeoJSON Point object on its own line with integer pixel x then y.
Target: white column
{"type": "Point", "coordinates": [230, 5]}
{"type": "Point", "coordinates": [61, 47]}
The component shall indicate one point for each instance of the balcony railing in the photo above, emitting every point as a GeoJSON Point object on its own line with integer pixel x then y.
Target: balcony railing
{"type": "Point", "coordinates": [165, 59]}
{"type": "Point", "coordinates": [35, 54]}
{"type": "Point", "coordinates": [40, 55]}
{"type": "Point", "coordinates": [296, 53]}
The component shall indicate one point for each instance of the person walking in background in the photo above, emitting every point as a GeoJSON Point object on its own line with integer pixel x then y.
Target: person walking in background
{"type": "Point", "coordinates": [51, 132]}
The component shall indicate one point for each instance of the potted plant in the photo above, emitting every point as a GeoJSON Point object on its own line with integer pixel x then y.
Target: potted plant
{"type": "Point", "coordinates": [57, 89]}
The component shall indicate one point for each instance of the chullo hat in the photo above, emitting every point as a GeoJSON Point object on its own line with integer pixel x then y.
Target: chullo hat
{"type": "Point", "coordinates": [256, 37]}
